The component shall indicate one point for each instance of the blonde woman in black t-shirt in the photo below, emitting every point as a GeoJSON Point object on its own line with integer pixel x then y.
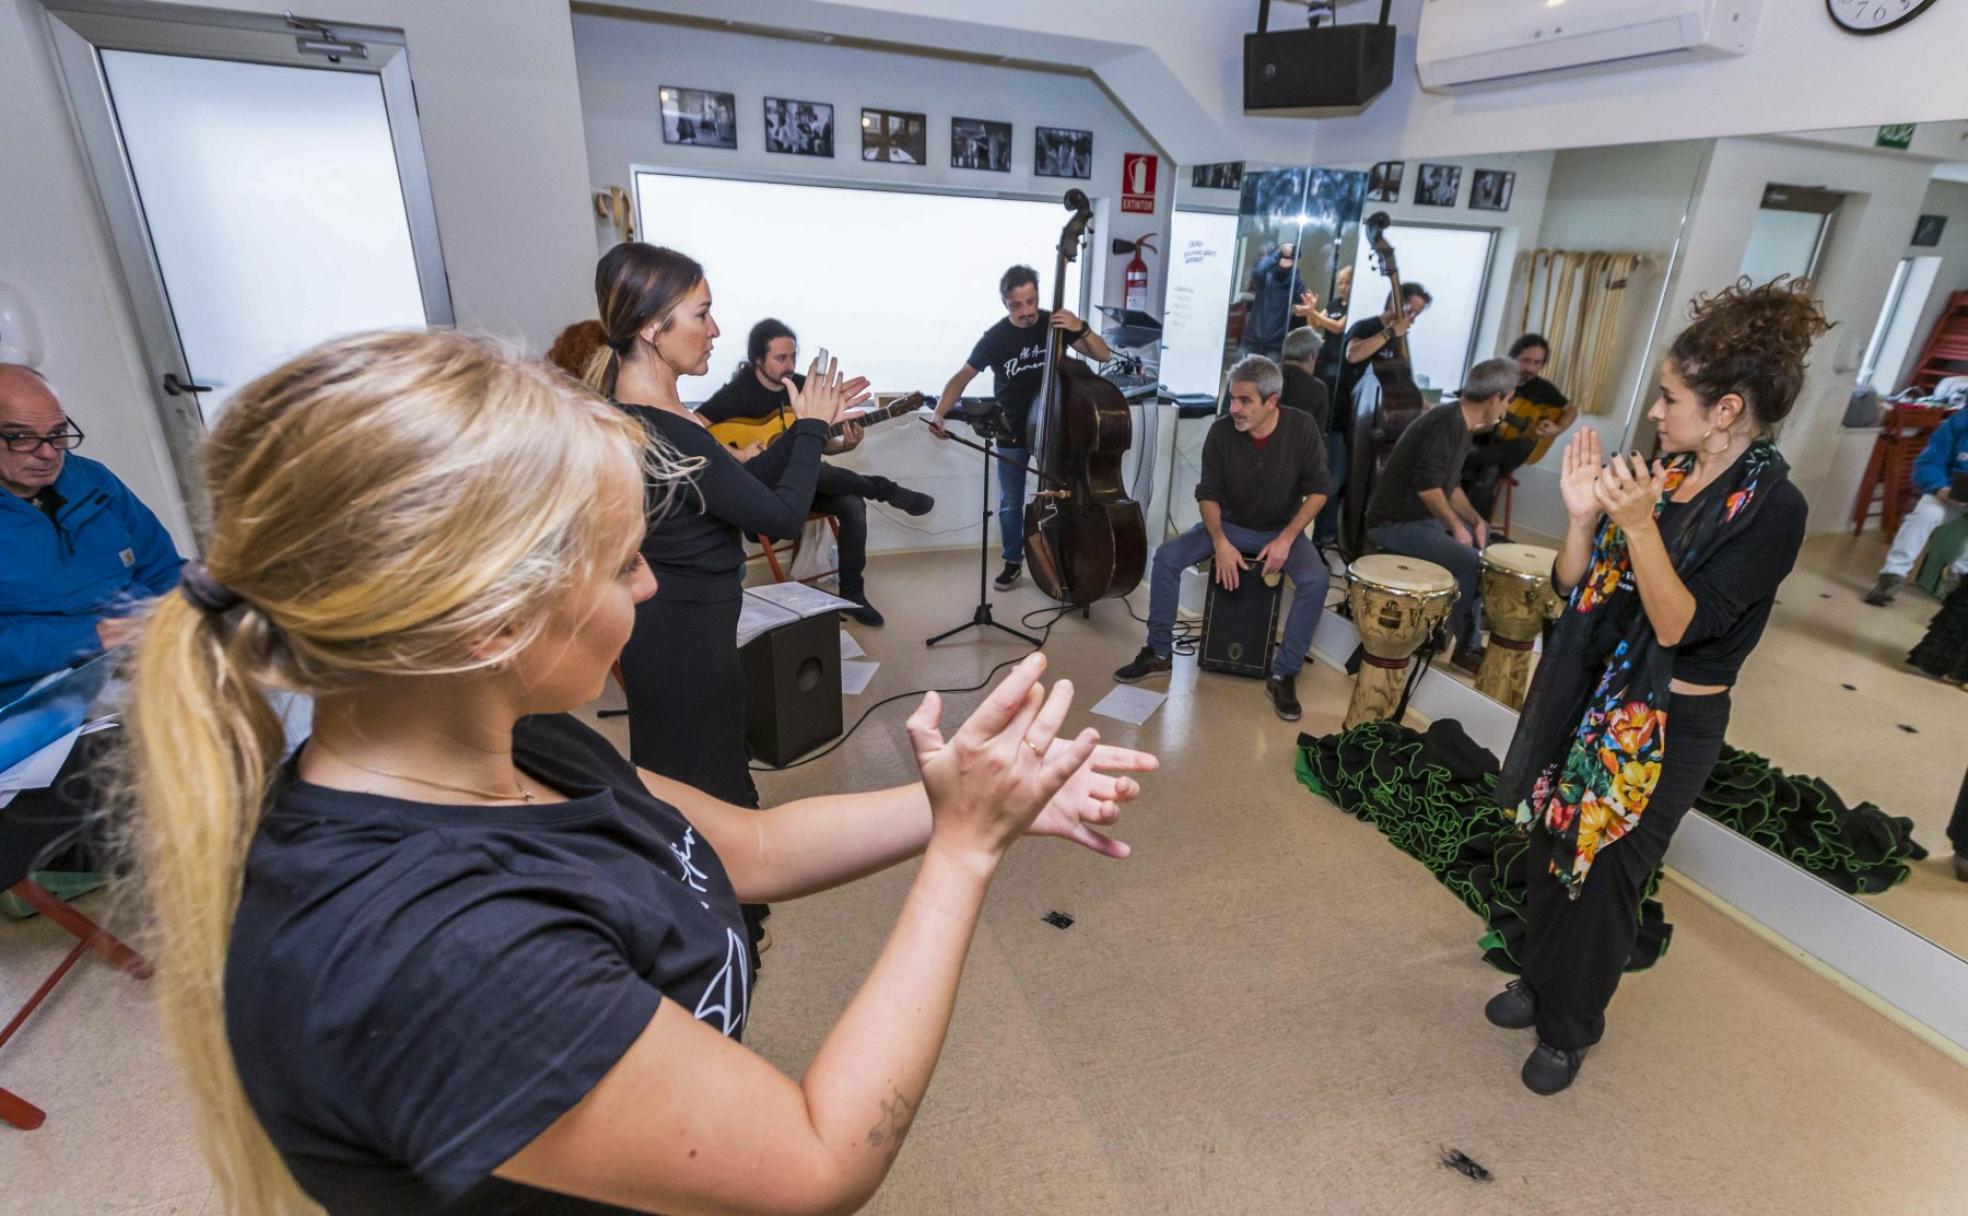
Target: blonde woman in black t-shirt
{"type": "Point", "coordinates": [457, 955]}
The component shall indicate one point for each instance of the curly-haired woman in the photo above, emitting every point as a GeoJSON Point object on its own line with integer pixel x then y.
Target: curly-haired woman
{"type": "Point", "coordinates": [1671, 571]}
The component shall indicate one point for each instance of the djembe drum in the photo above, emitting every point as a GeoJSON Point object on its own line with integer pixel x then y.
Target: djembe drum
{"type": "Point", "coordinates": [1397, 602]}
{"type": "Point", "coordinates": [1517, 599]}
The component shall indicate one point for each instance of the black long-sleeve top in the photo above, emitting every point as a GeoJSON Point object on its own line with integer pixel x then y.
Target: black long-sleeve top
{"type": "Point", "coordinates": [1736, 587]}
{"type": "Point", "coordinates": [696, 547]}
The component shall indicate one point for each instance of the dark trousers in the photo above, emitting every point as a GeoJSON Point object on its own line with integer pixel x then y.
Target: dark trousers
{"type": "Point", "coordinates": [60, 827]}
{"type": "Point", "coordinates": [1490, 461]}
{"type": "Point", "coordinates": [686, 694]}
{"type": "Point", "coordinates": [843, 494]}
{"type": "Point", "coordinates": [1958, 826]}
{"type": "Point", "coordinates": [1325, 530]}
{"type": "Point", "coordinates": [1576, 949]}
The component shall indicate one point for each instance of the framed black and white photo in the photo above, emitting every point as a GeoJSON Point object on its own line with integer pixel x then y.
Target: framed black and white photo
{"type": "Point", "coordinates": [1927, 230]}
{"type": "Point", "coordinates": [1062, 152]}
{"type": "Point", "coordinates": [1224, 175]}
{"type": "Point", "coordinates": [979, 143]}
{"type": "Point", "coordinates": [895, 137]}
{"type": "Point", "coordinates": [1438, 185]}
{"type": "Point", "coordinates": [799, 128]}
{"type": "Point", "coordinates": [700, 117]}
{"type": "Point", "coordinates": [1490, 189]}
{"type": "Point", "coordinates": [1384, 181]}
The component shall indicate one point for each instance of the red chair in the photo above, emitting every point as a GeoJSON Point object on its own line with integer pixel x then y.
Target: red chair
{"type": "Point", "coordinates": [90, 937]}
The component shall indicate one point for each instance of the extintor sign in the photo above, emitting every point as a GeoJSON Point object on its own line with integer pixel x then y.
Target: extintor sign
{"type": "Point", "coordinates": [1138, 182]}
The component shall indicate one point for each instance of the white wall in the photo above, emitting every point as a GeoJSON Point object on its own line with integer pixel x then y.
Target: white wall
{"type": "Point", "coordinates": [1949, 199]}
{"type": "Point", "coordinates": [1621, 199]}
{"type": "Point", "coordinates": [501, 125]}
{"type": "Point", "coordinates": [622, 62]}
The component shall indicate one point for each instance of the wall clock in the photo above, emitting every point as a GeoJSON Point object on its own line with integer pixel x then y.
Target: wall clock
{"type": "Point", "coordinates": [1874, 16]}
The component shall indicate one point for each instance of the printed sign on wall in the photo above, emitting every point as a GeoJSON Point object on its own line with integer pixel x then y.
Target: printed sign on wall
{"type": "Point", "coordinates": [1138, 182]}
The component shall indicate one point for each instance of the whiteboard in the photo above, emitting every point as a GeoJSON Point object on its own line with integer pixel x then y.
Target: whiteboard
{"type": "Point", "coordinates": [1201, 271]}
{"type": "Point", "coordinates": [897, 284]}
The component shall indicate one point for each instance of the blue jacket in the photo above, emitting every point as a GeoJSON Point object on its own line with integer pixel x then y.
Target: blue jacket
{"type": "Point", "coordinates": [101, 554]}
{"type": "Point", "coordinates": [1945, 455]}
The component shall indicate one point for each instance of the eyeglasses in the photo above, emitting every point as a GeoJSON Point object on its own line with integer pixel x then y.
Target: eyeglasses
{"type": "Point", "coordinates": [70, 436]}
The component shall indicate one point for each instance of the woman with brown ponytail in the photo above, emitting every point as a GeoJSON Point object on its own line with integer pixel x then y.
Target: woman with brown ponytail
{"type": "Point", "coordinates": [680, 671]}
{"type": "Point", "coordinates": [1671, 573]}
{"type": "Point", "coordinates": [457, 955]}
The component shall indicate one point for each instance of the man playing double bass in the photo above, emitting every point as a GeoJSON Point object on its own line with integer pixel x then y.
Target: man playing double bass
{"type": "Point", "coordinates": [1014, 351]}
{"type": "Point", "coordinates": [1369, 341]}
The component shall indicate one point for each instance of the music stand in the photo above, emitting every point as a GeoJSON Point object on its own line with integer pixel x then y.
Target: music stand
{"type": "Point", "coordinates": [987, 421]}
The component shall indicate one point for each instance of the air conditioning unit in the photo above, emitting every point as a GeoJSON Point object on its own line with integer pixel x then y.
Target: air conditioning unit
{"type": "Point", "coordinates": [1465, 43]}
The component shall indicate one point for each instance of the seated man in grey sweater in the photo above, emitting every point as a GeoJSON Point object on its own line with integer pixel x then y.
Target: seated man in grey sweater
{"type": "Point", "coordinates": [1264, 479]}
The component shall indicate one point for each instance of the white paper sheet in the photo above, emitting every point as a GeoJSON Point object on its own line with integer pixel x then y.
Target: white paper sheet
{"type": "Point", "coordinates": [757, 616]}
{"type": "Point", "coordinates": [798, 598]}
{"type": "Point", "coordinates": [1130, 704]}
{"type": "Point", "coordinates": [850, 649]}
{"type": "Point", "coordinates": [855, 676]}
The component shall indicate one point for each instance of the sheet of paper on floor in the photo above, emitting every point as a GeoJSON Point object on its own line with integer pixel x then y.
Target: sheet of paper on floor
{"type": "Point", "coordinates": [850, 649]}
{"type": "Point", "coordinates": [1129, 704]}
{"type": "Point", "coordinates": [798, 598]}
{"type": "Point", "coordinates": [855, 675]}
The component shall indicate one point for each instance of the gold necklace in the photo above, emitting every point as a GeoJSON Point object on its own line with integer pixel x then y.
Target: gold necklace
{"type": "Point", "coordinates": [520, 791]}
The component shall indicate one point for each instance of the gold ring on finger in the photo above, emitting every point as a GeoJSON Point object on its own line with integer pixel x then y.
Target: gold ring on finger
{"type": "Point", "coordinates": [1036, 749]}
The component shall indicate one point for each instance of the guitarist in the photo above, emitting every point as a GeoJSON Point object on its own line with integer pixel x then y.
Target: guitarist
{"type": "Point", "coordinates": [1538, 415]}
{"type": "Point", "coordinates": [758, 389]}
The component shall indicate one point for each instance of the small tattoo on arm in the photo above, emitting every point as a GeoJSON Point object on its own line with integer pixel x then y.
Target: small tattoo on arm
{"type": "Point", "coordinates": [889, 1132]}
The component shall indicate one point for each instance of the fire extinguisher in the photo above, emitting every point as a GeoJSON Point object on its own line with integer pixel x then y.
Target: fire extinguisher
{"type": "Point", "coordinates": [1135, 295]}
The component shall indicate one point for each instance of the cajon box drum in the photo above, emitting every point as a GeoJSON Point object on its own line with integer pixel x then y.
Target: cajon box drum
{"type": "Point", "coordinates": [1240, 628]}
{"type": "Point", "coordinates": [792, 688]}
{"type": "Point", "coordinates": [1517, 599]}
{"type": "Point", "coordinates": [1396, 602]}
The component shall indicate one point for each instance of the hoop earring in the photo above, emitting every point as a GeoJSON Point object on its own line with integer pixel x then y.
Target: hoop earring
{"type": "Point", "coordinates": [1718, 451]}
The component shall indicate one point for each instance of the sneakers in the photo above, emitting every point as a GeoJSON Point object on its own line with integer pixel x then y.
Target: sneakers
{"type": "Point", "coordinates": [1469, 659]}
{"type": "Point", "coordinates": [1284, 696]}
{"type": "Point", "coordinates": [1550, 1069]}
{"type": "Point", "coordinates": [911, 502]}
{"type": "Point", "coordinates": [1884, 590]}
{"type": "Point", "coordinates": [1145, 664]}
{"type": "Point", "coordinates": [863, 612]}
{"type": "Point", "coordinates": [1009, 576]}
{"type": "Point", "coordinates": [1514, 1008]}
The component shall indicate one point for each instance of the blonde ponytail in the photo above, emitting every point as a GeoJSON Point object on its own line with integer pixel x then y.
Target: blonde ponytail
{"type": "Point", "coordinates": [381, 505]}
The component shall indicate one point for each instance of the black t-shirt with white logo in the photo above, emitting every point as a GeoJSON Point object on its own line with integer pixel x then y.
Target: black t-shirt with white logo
{"type": "Point", "coordinates": [1015, 357]}
{"type": "Point", "coordinates": [414, 991]}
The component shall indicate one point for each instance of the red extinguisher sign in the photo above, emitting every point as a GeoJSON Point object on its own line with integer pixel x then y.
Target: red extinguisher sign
{"type": "Point", "coordinates": [1138, 182]}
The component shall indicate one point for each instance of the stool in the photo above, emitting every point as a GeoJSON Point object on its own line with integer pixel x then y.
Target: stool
{"type": "Point", "coordinates": [790, 550]}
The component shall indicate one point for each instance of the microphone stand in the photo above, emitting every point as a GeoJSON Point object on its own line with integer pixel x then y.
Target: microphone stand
{"type": "Point", "coordinates": [987, 420]}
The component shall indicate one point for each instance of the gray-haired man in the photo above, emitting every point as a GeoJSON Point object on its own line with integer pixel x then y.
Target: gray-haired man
{"type": "Point", "coordinates": [1264, 479]}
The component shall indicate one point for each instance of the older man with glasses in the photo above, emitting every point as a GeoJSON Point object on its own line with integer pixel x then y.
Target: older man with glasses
{"type": "Point", "coordinates": [81, 552]}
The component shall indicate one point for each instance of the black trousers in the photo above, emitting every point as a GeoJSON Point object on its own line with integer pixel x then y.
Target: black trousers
{"type": "Point", "coordinates": [60, 827]}
{"type": "Point", "coordinates": [1577, 949]}
{"type": "Point", "coordinates": [1958, 826]}
{"type": "Point", "coordinates": [843, 494]}
{"type": "Point", "coordinates": [686, 694]}
{"type": "Point", "coordinates": [1490, 461]}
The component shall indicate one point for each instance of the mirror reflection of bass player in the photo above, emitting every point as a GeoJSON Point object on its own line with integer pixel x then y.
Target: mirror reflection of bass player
{"type": "Point", "coordinates": [1368, 342]}
{"type": "Point", "coordinates": [1014, 352]}
{"type": "Point", "coordinates": [1538, 414]}
{"type": "Point", "coordinates": [758, 390]}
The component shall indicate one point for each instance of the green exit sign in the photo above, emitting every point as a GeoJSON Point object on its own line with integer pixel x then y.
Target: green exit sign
{"type": "Point", "coordinates": [1896, 135]}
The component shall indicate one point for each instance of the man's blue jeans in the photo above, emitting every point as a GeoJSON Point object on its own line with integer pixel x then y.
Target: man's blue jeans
{"type": "Point", "coordinates": [1304, 567]}
{"type": "Point", "coordinates": [1428, 540]}
{"type": "Point", "coordinates": [1326, 528]}
{"type": "Point", "coordinates": [1011, 501]}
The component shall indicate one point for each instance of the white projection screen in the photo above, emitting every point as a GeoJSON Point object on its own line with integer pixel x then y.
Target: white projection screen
{"type": "Point", "coordinates": [896, 284]}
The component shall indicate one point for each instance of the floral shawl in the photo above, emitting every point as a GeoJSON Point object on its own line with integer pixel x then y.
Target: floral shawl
{"type": "Point", "coordinates": [1586, 756]}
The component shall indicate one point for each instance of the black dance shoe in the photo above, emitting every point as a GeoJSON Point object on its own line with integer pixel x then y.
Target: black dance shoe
{"type": "Point", "coordinates": [1550, 1069]}
{"type": "Point", "coordinates": [1145, 664]}
{"type": "Point", "coordinates": [1283, 693]}
{"type": "Point", "coordinates": [1514, 1008]}
{"type": "Point", "coordinates": [862, 612]}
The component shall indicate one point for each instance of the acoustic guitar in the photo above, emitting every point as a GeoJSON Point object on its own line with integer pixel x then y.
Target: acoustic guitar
{"type": "Point", "coordinates": [1523, 418]}
{"type": "Point", "coordinates": [740, 433]}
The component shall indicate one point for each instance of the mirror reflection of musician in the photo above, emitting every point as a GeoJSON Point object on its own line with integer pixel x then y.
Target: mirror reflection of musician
{"type": "Point", "coordinates": [758, 389]}
{"type": "Point", "coordinates": [1418, 507]}
{"type": "Point", "coordinates": [1368, 341]}
{"type": "Point", "coordinates": [1274, 291]}
{"type": "Point", "coordinates": [1494, 457]}
{"type": "Point", "coordinates": [1014, 351]}
{"type": "Point", "coordinates": [1264, 478]}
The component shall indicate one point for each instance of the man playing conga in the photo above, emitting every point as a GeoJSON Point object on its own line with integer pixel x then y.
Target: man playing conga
{"type": "Point", "coordinates": [1264, 478]}
{"type": "Point", "coordinates": [1418, 506]}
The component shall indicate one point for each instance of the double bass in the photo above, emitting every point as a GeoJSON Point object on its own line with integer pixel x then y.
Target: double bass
{"type": "Point", "coordinates": [1085, 538]}
{"type": "Point", "coordinates": [1378, 424]}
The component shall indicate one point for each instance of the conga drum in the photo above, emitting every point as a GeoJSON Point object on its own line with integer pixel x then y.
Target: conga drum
{"type": "Point", "coordinates": [1397, 602]}
{"type": "Point", "coordinates": [1517, 600]}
